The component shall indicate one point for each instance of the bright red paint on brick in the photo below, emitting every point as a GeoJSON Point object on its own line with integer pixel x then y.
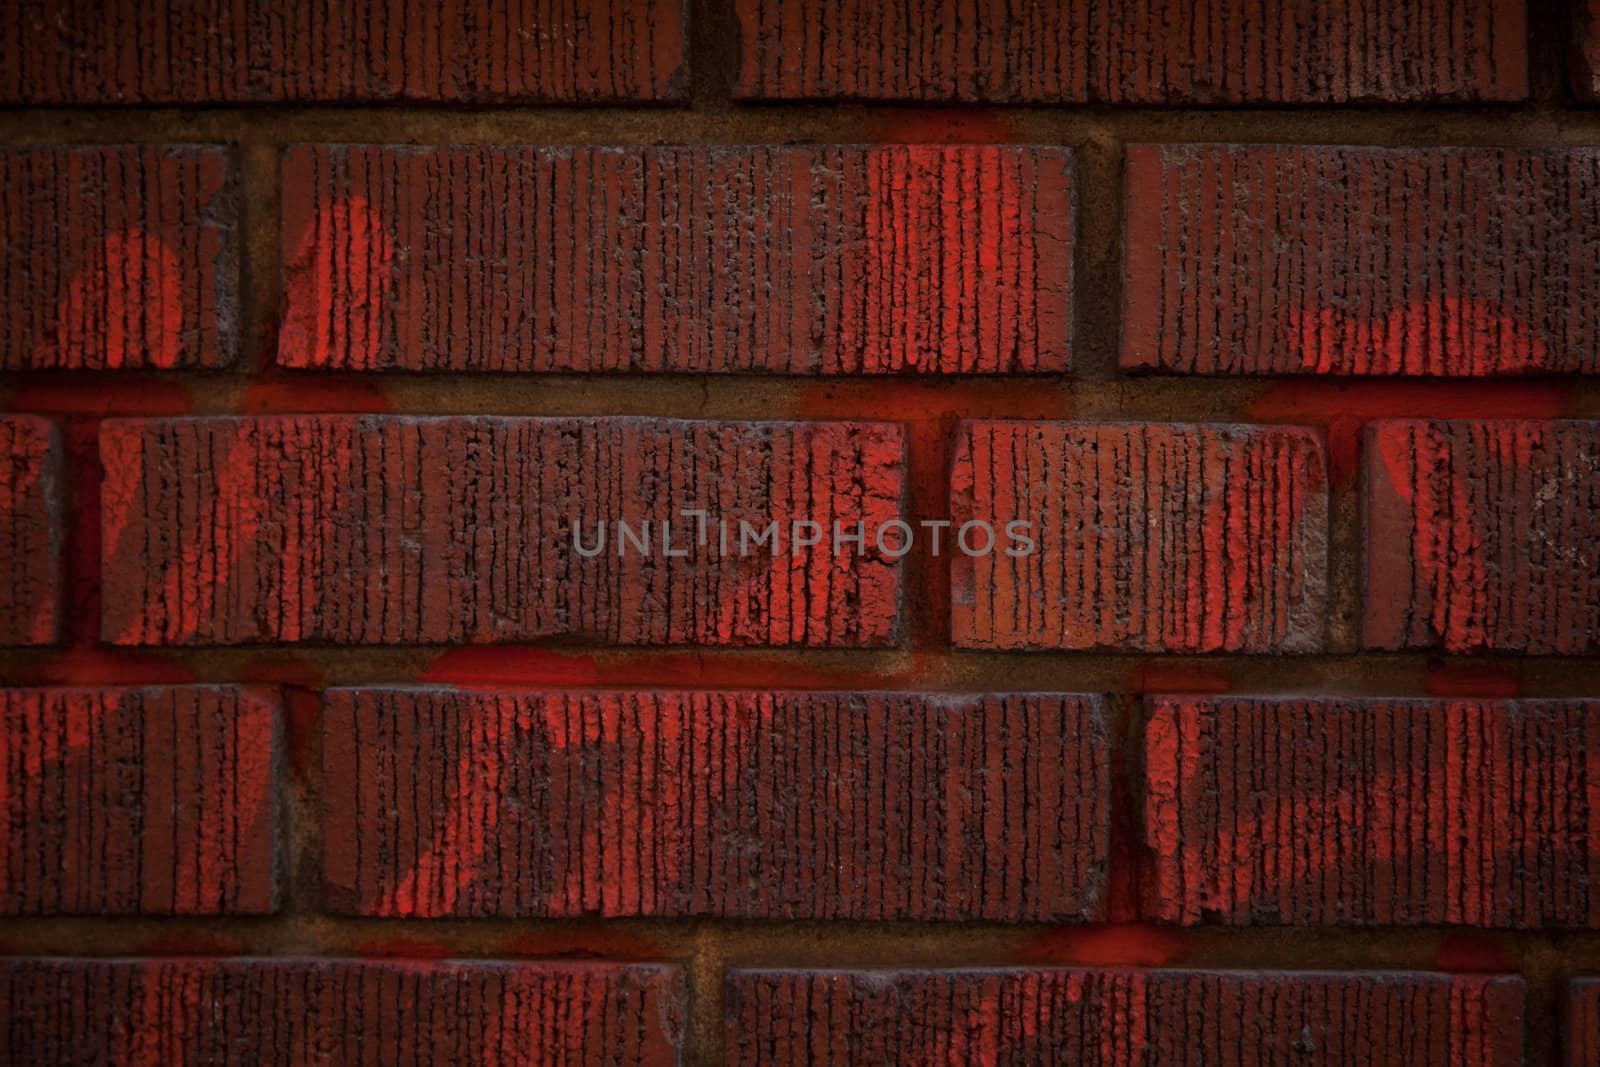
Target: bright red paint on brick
{"type": "Point", "coordinates": [1121, 1018]}
{"type": "Point", "coordinates": [807, 806]}
{"type": "Point", "coordinates": [263, 51]}
{"type": "Point", "coordinates": [936, 259]}
{"type": "Point", "coordinates": [118, 257]}
{"type": "Point", "coordinates": [157, 801]}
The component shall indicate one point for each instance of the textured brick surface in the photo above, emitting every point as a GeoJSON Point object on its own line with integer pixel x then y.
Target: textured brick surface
{"type": "Point", "coordinates": [150, 800]}
{"type": "Point", "coordinates": [1251, 259]}
{"type": "Point", "coordinates": [1122, 1018]}
{"type": "Point", "coordinates": [338, 1011]}
{"type": "Point", "coordinates": [1323, 812]}
{"type": "Point", "coordinates": [118, 257]}
{"type": "Point", "coordinates": [1586, 57]}
{"type": "Point", "coordinates": [1581, 1023]}
{"type": "Point", "coordinates": [809, 806]}
{"type": "Point", "coordinates": [380, 530]}
{"type": "Point", "coordinates": [454, 51]}
{"type": "Point", "coordinates": [1149, 537]}
{"type": "Point", "coordinates": [30, 531]}
{"type": "Point", "coordinates": [801, 260]}
{"type": "Point", "coordinates": [1483, 535]}
{"type": "Point", "coordinates": [1142, 52]}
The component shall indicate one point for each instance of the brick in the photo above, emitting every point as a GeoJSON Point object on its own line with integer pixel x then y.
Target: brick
{"type": "Point", "coordinates": [1148, 537]}
{"type": "Point", "coordinates": [1279, 259]}
{"type": "Point", "coordinates": [289, 1011]}
{"type": "Point", "coordinates": [118, 257]}
{"type": "Point", "coordinates": [1122, 1018]}
{"type": "Point", "coordinates": [152, 801]}
{"type": "Point", "coordinates": [1586, 47]}
{"type": "Point", "coordinates": [1581, 1023]}
{"type": "Point", "coordinates": [30, 531]}
{"type": "Point", "coordinates": [787, 260]}
{"type": "Point", "coordinates": [1138, 52]}
{"type": "Point", "coordinates": [1326, 812]}
{"type": "Point", "coordinates": [279, 51]}
{"type": "Point", "coordinates": [870, 806]}
{"type": "Point", "coordinates": [1483, 535]}
{"type": "Point", "coordinates": [347, 529]}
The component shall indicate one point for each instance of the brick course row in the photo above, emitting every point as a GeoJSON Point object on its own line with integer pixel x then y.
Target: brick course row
{"type": "Point", "coordinates": [1240, 259]}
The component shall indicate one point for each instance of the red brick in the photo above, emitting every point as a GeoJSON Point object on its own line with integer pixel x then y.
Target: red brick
{"type": "Point", "coordinates": [264, 51]}
{"type": "Point", "coordinates": [747, 805]}
{"type": "Point", "coordinates": [1327, 811]}
{"type": "Point", "coordinates": [1137, 52]}
{"type": "Point", "coordinates": [118, 257]}
{"type": "Point", "coordinates": [30, 531]}
{"type": "Point", "coordinates": [1483, 535]}
{"type": "Point", "coordinates": [1581, 1025]}
{"type": "Point", "coordinates": [1171, 537]}
{"type": "Point", "coordinates": [154, 801]}
{"type": "Point", "coordinates": [1122, 1018]}
{"type": "Point", "coordinates": [790, 260]}
{"type": "Point", "coordinates": [289, 1011]}
{"type": "Point", "coordinates": [348, 529]}
{"type": "Point", "coordinates": [1586, 41]}
{"type": "Point", "coordinates": [1278, 259]}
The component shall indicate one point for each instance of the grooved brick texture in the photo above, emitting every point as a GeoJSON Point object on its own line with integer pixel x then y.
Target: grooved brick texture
{"type": "Point", "coordinates": [288, 1011]}
{"type": "Point", "coordinates": [1278, 259]}
{"type": "Point", "coordinates": [30, 531]}
{"type": "Point", "coordinates": [1119, 1018]}
{"type": "Point", "coordinates": [1581, 1023]}
{"type": "Point", "coordinates": [1134, 52]}
{"type": "Point", "coordinates": [746, 805]}
{"type": "Point", "coordinates": [802, 260]}
{"type": "Point", "coordinates": [1328, 812]}
{"type": "Point", "coordinates": [351, 529]}
{"type": "Point", "coordinates": [283, 51]}
{"type": "Point", "coordinates": [155, 801]}
{"type": "Point", "coordinates": [118, 257]}
{"type": "Point", "coordinates": [1483, 535]}
{"type": "Point", "coordinates": [1170, 537]}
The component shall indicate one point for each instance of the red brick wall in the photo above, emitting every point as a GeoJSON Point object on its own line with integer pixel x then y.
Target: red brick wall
{"type": "Point", "coordinates": [1275, 325]}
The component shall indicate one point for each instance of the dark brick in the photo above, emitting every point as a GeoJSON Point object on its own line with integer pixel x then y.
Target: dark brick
{"type": "Point", "coordinates": [288, 1011]}
{"type": "Point", "coordinates": [119, 257]}
{"type": "Point", "coordinates": [1586, 42]}
{"type": "Point", "coordinates": [266, 51]}
{"type": "Point", "coordinates": [1174, 537]}
{"type": "Point", "coordinates": [1483, 535]}
{"type": "Point", "coordinates": [155, 801]}
{"type": "Point", "coordinates": [1581, 1024]}
{"type": "Point", "coordinates": [1122, 1018]}
{"type": "Point", "coordinates": [30, 531]}
{"type": "Point", "coordinates": [1136, 52]}
{"type": "Point", "coordinates": [802, 260]}
{"type": "Point", "coordinates": [1277, 259]}
{"type": "Point", "coordinates": [348, 529]}
{"type": "Point", "coordinates": [746, 805]}
{"type": "Point", "coordinates": [1326, 812]}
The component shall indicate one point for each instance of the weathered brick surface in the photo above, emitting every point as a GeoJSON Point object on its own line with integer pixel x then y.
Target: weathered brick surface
{"type": "Point", "coordinates": [1483, 535]}
{"type": "Point", "coordinates": [1122, 1018]}
{"type": "Point", "coordinates": [1143, 52]}
{"type": "Point", "coordinates": [118, 257]}
{"type": "Point", "coordinates": [794, 260]}
{"type": "Point", "coordinates": [790, 805]}
{"type": "Point", "coordinates": [1581, 1023]}
{"type": "Point", "coordinates": [156, 801]}
{"type": "Point", "coordinates": [1174, 537]}
{"type": "Point", "coordinates": [1325, 812]}
{"type": "Point", "coordinates": [261, 51]}
{"type": "Point", "coordinates": [287, 1011]}
{"type": "Point", "coordinates": [394, 530]}
{"type": "Point", "coordinates": [30, 531]}
{"type": "Point", "coordinates": [1279, 259]}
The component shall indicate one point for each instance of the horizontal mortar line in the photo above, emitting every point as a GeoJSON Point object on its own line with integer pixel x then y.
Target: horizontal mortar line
{"type": "Point", "coordinates": [777, 124]}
